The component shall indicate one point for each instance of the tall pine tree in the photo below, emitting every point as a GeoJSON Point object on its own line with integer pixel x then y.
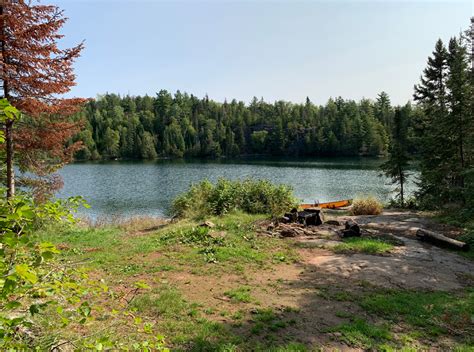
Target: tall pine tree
{"type": "Point", "coordinates": [396, 166]}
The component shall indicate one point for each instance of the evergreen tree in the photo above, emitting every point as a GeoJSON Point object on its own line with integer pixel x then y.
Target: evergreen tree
{"type": "Point", "coordinates": [445, 95]}
{"type": "Point", "coordinates": [111, 143]}
{"type": "Point", "coordinates": [460, 125]}
{"type": "Point", "coordinates": [434, 183]}
{"type": "Point", "coordinates": [211, 129]}
{"type": "Point", "coordinates": [396, 166]}
{"type": "Point", "coordinates": [148, 147]}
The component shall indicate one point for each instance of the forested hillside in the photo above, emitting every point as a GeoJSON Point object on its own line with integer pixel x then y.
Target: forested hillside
{"type": "Point", "coordinates": [183, 125]}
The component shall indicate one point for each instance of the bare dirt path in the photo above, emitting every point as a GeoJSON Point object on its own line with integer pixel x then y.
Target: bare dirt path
{"type": "Point", "coordinates": [414, 265]}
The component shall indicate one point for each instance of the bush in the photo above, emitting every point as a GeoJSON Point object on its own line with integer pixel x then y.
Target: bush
{"type": "Point", "coordinates": [366, 206]}
{"type": "Point", "coordinates": [250, 196]}
{"type": "Point", "coordinates": [38, 292]}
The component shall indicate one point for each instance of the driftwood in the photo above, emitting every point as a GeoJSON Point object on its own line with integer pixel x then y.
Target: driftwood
{"type": "Point", "coordinates": [440, 240]}
{"type": "Point", "coordinates": [352, 229]}
{"type": "Point", "coordinates": [292, 230]}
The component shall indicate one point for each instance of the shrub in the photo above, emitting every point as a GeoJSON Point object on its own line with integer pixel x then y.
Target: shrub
{"type": "Point", "coordinates": [366, 206]}
{"type": "Point", "coordinates": [250, 196]}
{"type": "Point", "coordinates": [37, 291]}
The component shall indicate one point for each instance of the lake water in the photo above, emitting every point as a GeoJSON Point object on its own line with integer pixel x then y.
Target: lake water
{"type": "Point", "coordinates": [129, 188]}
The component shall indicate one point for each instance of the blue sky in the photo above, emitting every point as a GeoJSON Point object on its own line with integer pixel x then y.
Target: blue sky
{"type": "Point", "coordinates": [272, 49]}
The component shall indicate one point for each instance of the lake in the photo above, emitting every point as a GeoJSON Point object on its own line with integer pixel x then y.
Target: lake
{"type": "Point", "coordinates": [128, 188]}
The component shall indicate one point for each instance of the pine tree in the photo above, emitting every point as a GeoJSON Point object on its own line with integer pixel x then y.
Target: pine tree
{"type": "Point", "coordinates": [396, 166]}
{"type": "Point", "coordinates": [148, 147]}
{"type": "Point", "coordinates": [383, 110]}
{"type": "Point", "coordinates": [460, 125]}
{"type": "Point", "coordinates": [431, 94]}
{"type": "Point", "coordinates": [34, 71]}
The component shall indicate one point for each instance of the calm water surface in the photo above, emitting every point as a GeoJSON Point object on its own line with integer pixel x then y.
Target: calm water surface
{"type": "Point", "coordinates": [147, 188]}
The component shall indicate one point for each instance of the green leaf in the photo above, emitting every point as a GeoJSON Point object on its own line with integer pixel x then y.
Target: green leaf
{"type": "Point", "coordinates": [9, 285]}
{"type": "Point", "coordinates": [34, 309]}
{"type": "Point", "coordinates": [141, 284]}
{"type": "Point", "coordinates": [24, 271]}
{"type": "Point", "coordinates": [12, 305]}
{"type": "Point", "coordinates": [85, 309]}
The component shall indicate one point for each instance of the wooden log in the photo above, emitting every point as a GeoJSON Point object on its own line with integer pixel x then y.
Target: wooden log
{"type": "Point", "coordinates": [290, 230]}
{"type": "Point", "coordinates": [440, 240]}
{"type": "Point", "coordinates": [333, 222]}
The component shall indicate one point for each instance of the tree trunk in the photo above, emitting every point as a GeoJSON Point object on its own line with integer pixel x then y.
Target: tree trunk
{"type": "Point", "coordinates": [401, 186]}
{"type": "Point", "coordinates": [9, 159]}
{"type": "Point", "coordinates": [8, 124]}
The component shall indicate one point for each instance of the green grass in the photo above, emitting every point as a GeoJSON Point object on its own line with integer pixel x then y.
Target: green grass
{"type": "Point", "coordinates": [267, 321]}
{"type": "Point", "coordinates": [363, 245]}
{"type": "Point", "coordinates": [164, 301]}
{"type": "Point", "coordinates": [232, 244]}
{"type": "Point", "coordinates": [432, 313]}
{"type": "Point", "coordinates": [360, 333]}
{"type": "Point", "coordinates": [240, 294]}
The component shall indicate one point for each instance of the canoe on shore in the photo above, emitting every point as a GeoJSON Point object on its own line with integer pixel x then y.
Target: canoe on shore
{"type": "Point", "coordinates": [328, 205]}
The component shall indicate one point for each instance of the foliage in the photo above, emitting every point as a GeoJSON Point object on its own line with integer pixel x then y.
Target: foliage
{"type": "Point", "coordinates": [445, 131]}
{"type": "Point", "coordinates": [366, 206]}
{"type": "Point", "coordinates": [183, 125]}
{"type": "Point", "coordinates": [34, 285]}
{"type": "Point", "coordinates": [251, 196]}
{"type": "Point", "coordinates": [395, 167]}
{"type": "Point", "coordinates": [36, 70]}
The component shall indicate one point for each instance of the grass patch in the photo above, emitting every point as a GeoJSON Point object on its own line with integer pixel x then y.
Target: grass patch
{"type": "Point", "coordinates": [164, 301]}
{"type": "Point", "coordinates": [240, 294]}
{"type": "Point", "coordinates": [363, 245]}
{"type": "Point", "coordinates": [432, 313]}
{"type": "Point", "coordinates": [265, 320]}
{"type": "Point", "coordinates": [360, 333]}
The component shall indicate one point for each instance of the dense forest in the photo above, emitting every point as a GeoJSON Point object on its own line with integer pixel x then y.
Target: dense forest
{"type": "Point", "coordinates": [182, 125]}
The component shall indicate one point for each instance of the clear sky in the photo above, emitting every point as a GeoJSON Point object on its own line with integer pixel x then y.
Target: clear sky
{"type": "Point", "coordinates": [272, 49]}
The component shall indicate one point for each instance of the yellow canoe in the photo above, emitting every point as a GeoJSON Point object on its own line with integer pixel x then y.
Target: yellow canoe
{"type": "Point", "coordinates": [328, 205]}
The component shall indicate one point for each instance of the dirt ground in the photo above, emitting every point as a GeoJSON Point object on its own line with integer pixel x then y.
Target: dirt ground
{"type": "Point", "coordinates": [300, 290]}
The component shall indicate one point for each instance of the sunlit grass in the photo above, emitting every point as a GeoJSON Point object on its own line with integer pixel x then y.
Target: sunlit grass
{"type": "Point", "coordinates": [433, 313]}
{"type": "Point", "coordinates": [363, 245]}
{"type": "Point", "coordinates": [360, 333]}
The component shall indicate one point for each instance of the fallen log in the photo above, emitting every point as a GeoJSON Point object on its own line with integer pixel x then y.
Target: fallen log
{"type": "Point", "coordinates": [290, 230]}
{"type": "Point", "coordinates": [441, 240]}
{"type": "Point", "coordinates": [333, 222]}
